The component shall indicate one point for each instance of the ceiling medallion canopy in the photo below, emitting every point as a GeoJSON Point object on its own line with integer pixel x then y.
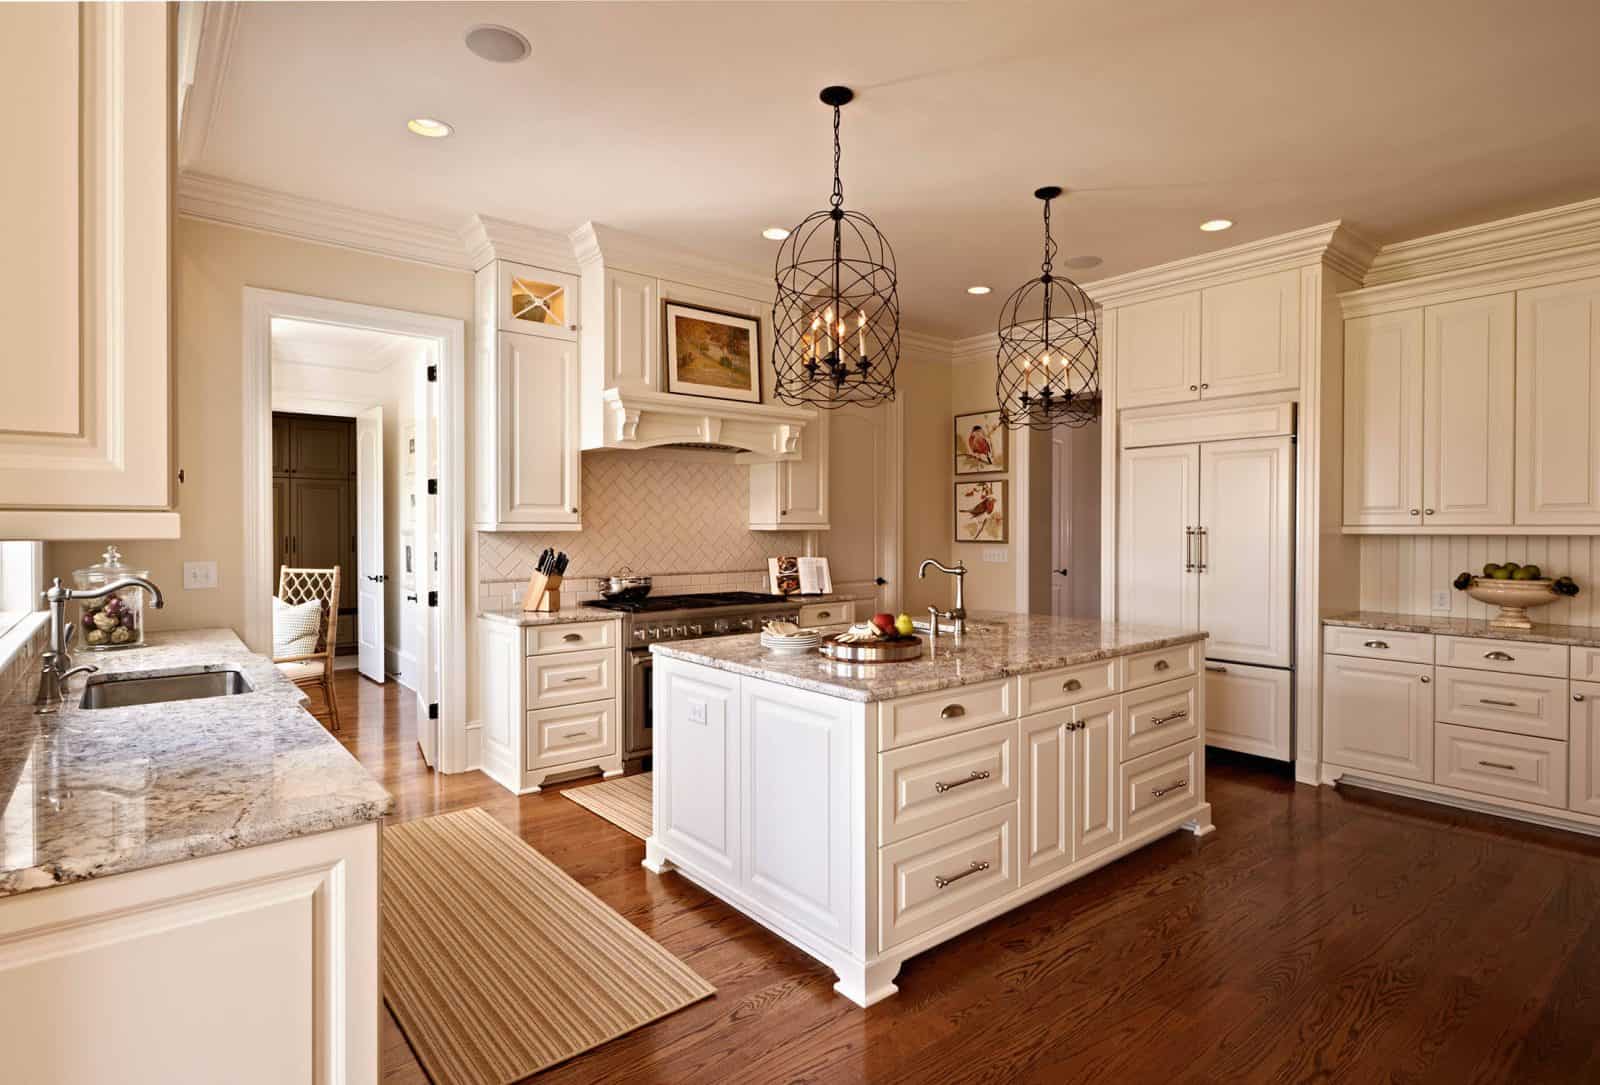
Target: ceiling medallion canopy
{"type": "Point", "coordinates": [1047, 368]}
{"type": "Point", "coordinates": [836, 315]}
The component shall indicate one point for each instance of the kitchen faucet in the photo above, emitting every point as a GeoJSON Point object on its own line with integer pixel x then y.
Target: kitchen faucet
{"type": "Point", "coordinates": [56, 663]}
{"type": "Point", "coordinates": [958, 613]}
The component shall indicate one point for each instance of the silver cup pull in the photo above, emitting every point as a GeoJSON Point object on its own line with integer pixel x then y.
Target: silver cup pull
{"type": "Point", "coordinates": [1071, 685]}
{"type": "Point", "coordinates": [1163, 665]}
{"type": "Point", "coordinates": [1500, 657]}
{"type": "Point", "coordinates": [572, 638]}
{"type": "Point", "coordinates": [1577, 697]}
{"type": "Point", "coordinates": [952, 711]}
{"type": "Point", "coordinates": [1375, 644]}
{"type": "Point", "coordinates": [941, 880]}
{"type": "Point", "coordinates": [940, 786]}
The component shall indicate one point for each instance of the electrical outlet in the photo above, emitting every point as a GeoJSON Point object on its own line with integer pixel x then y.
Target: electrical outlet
{"type": "Point", "coordinates": [996, 555]}
{"type": "Point", "coordinates": [199, 575]}
{"type": "Point", "coordinates": [697, 712]}
{"type": "Point", "coordinates": [1441, 599]}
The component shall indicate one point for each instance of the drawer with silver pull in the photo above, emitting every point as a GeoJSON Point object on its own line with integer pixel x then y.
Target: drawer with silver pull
{"type": "Point", "coordinates": [1159, 716]}
{"type": "Point", "coordinates": [817, 614]}
{"type": "Point", "coordinates": [1505, 656]}
{"type": "Point", "coordinates": [1526, 704]}
{"type": "Point", "coordinates": [1378, 644]}
{"type": "Point", "coordinates": [1158, 665]}
{"type": "Point", "coordinates": [570, 678]}
{"type": "Point", "coordinates": [1067, 686]}
{"type": "Point", "coordinates": [929, 784]}
{"type": "Point", "coordinates": [934, 877]}
{"type": "Point", "coordinates": [1510, 766]}
{"type": "Point", "coordinates": [568, 637]}
{"type": "Point", "coordinates": [944, 712]}
{"type": "Point", "coordinates": [1159, 785]}
{"type": "Point", "coordinates": [573, 733]}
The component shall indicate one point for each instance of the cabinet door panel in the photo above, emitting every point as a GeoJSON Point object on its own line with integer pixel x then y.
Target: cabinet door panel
{"type": "Point", "coordinates": [1251, 340]}
{"type": "Point", "coordinates": [1468, 384]}
{"type": "Point", "coordinates": [320, 447]}
{"type": "Point", "coordinates": [1558, 404]}
{"type": "Point", "coordinates": [1383, 419]}
{"type": "Point", "coordinates": [1249, 709]}
{"type": "Point", "coordinates": [698, 808]}
{"type": "Point", "coordinates": [1158, 351]}
{"type": "Point", "coordinates": [1159, 508]}
{"type": "Point", "coordinates": [321, 523]}
{"type": "Point", "coordinates": [804, 482]}
{"type": "Point", "coordinates": [1246, 549]}
{"type": "Point", "coordinates": [537, 301]}
{"type": "Point", "coordinates": [1097, 822]}
{"type": "Point", "coordinates": [539, 427]}
{"type": "Point", "coordinates": [1584, 740]}
{"type": "Point", "coordinates": [1378, 716]}
{"type": "Point", "coordinates": [1047, 807]}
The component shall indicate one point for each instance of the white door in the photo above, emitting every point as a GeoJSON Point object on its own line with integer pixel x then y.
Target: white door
{"type": "Point", "coordinates": [1468, 387]}
{"type": "Point", "coordinates": [1157, 346]}
{"type": "Point", "coordinates": [1251, 337]}
{"type": "Point", "coordinates": [1378, 715]}
{"type": "Point", "coordinates": [1246, 549]}
{"type": "Point", "coordinates": [1156, 520]}
{"type": "Point", "coordinates": [370, 589]}
{"type": "Point", "coordinates": [1558, 404]}
{"type": "Point", "coordinates": [862, 543]}
{"type": "Point", "coordinates": [1383, 419]}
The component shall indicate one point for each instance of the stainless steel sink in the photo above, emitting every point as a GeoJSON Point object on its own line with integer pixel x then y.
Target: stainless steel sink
{"type": "Point", "coordinates": [188, 684]}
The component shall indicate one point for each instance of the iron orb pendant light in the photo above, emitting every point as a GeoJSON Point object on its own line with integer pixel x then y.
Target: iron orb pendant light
{"type": "Point", "coordinates": [836, 313]}
{"type": "Point", "coordinates": [1047, 367]}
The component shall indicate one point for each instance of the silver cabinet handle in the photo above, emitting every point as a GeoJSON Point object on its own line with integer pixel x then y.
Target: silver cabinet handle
{"type": "Point", "coordinates": [1204, 536]}
{"type": "Point", "coordinates": [940, 787]}
{"type": "Point", "coordinates": [1158, 792]}
{"type": "Point", "coordinates": [1498, 765]}
{"type": "Point", "coordinates": [577, 678]}
{"type": "Point", "coordinates": [824, 614]}
{"type": "Point", "coordinates": [1426, 680]}
{"type": "Point", "coordinates": [575, 734]}
{"type": "Point", "coordinates": [572, 638]}
{"type": "Point", "coordinates": [1499, 704]}
{"type": "Point", "coordinates": [1071, 685]}
{"type": "Point", "coordinates": [1214, 669]}
{"type": "Point", "coordinates": [1375, 644]}
{"type": "Point", "coordinates": [1577, 697]}
{"type": "Point", "coordinates": [1188, 549]}
{"type": "Point", "coordinates": [1162, 721]}
{"type": "Point", "coordinates": [1162, 665]}
{"type": "Point", "coordinates": [1500, 657]}
{"type": "Point", "coordinates": [951, 711]}
{"type": "Point", "coordinates": [941, 881]}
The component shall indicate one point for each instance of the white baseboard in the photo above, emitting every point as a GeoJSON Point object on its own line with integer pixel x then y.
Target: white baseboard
{"type": "Point", "coordinates": [474, 746]}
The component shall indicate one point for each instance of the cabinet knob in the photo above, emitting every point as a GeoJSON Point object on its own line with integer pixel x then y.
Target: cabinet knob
{"type": "Point", "coordinates": [1427, 512]}
{"type": "Point", "coordinates": [574, 510]}
{"type": "Point", "coordinates": [1204, 386]}
{"type": "Point", "coordinates": [1426, 680]}
{"type": "Point", "coordinates": [1577, 696]}
{"type": "Point", "coordinates": [1194, 387]}
{"type": "Point", "coordinates": [1414, 512]}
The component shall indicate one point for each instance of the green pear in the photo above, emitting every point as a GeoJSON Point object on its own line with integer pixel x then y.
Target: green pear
{"type": "Point", "coordinates": [1490, 569]}
{"type": "Point", "coordinates": [1501, 572]}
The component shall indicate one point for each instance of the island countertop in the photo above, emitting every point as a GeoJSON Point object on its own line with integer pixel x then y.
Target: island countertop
{"type": "Point", "coordinates": [87, 793]}
{"type": "Point", "coordinates": [996, 645]}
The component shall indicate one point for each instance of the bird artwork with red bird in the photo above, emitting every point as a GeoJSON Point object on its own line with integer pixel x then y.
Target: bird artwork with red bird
{"type": "Point", "coordinates": [980, 444]}
{"type": "Point", "coordinates": [979, 509]}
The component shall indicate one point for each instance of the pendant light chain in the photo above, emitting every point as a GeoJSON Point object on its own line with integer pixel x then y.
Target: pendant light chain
{"type": "Point", "coordinates": [837, 199]}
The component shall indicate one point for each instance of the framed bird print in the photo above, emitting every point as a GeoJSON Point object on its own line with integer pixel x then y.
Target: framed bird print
{"type": "Point", "coordinates": [980, 443]}
{"type": "Point", "coordinates": [981, 511]}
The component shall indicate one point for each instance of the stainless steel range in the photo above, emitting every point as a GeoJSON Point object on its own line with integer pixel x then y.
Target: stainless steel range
{"type": "Point", "coordinates": [657, 619]}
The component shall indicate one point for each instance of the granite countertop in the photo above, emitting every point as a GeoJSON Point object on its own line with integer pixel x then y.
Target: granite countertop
{"type": "Point", "coordinates": [996, 645]}
{"type": "Point", "coordinates": [517, 616]}
{"type": "Point", "coordinates": [1579, 636]}
{"type": "Point", "coordinates": [87, 793]}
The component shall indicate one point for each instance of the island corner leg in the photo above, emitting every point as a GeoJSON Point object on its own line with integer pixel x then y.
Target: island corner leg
{"type": "Point", "coordinates": [1200, 824]}
{"type": "Point", "coordinates": [655, 857]}
{"type": "Point", "coordinates": [866, 984]}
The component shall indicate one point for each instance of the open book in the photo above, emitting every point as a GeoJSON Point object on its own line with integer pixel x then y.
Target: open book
{"type": "Point", "coordinates": [799, 576]}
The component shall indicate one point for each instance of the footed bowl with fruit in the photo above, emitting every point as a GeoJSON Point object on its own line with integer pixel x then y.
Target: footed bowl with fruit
{"type": "Point", "coordinates": [1514, 588]}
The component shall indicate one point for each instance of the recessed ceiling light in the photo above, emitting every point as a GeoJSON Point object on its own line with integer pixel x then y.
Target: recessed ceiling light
{"type": "Point", "coordinates": [1211, 226]}
{"type": "Point", "coordinates": [427, 126]}
{"type": "Point", "coordinates": [977, 289]}
{"type": "Point", "coordinates": [500, 44]}
{"type": "Point", "coordinates": [774, 233]}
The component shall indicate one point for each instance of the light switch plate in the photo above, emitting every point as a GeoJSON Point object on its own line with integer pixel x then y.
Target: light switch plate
{"type": "Point", "coordinates": [1441, 599]}
{"type": "Point", "coordinates": [199, 574]}
{"type": "Point", "coordinates": [996, 555]}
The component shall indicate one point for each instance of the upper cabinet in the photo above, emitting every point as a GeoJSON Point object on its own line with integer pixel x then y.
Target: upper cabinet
{"type": "Point", "coordinates": [1558, 404]}
{"type": "Point", "coordinates": [85, 421]}
{"type": "Point", "coordinates": [1468, 377]}
{"type": "Point", "coordinates": [792, 495]}
{"type": "Point", "coordinates": [1383, 419]}
{"type": "Point", "coordinates": [1233, 339]}
{"type": "Point", "coordinates": [536, 301]}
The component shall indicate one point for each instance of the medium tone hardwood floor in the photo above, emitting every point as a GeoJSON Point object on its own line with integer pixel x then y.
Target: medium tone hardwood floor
{"type": "Point", "coordinates": [1315, 936]}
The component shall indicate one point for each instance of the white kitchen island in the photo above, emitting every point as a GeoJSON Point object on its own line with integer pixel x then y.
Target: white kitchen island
{"type": "Point", "coordinates": [867, 813]}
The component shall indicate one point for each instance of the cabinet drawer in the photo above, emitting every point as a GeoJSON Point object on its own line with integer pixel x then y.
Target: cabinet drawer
{"type": "Point", "coordinates": [930, 784]}
{"type": "Point", "coordinates": [1249, 709]}
{"type": "Point", "coordinates": [816, 614]}
{"type": "Point", "coordinates": [944, 712]}
{"type": "Point", "coordinates": [1378, 644]}
{"type": "Point", "coordinates": [1159, 665]}
{"type": "Point", "coordinates": [1505, 656]}
{"type": "Point", "coordinates": [1158, 785]}
{"type": "Point", "coordinates": [1158, 717]}
{"type": "Point", "coordinates": [1586, 664]}
{"type": "Point", "coordinates": [569, 637]}
{"type": "Point", "coordinates": [1510, 766]}
{"type": "Point", "coordinates": [1503, 702]}
{"type": "Point", "coordinates": [575, 733]}
{"type": "Point", "coordinates": [942, 875]}
{"type": "Point", "coordinates": [1069, 685]}
{"type": "Point", "coordinates": [570, 678]}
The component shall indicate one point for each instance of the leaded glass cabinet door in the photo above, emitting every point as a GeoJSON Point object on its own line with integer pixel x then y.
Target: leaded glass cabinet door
{"type": "Point", "coordinates": [538, 301]}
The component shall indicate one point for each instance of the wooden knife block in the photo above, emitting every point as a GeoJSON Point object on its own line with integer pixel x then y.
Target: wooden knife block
{"type": "Point", "coordinates": [544, 594]}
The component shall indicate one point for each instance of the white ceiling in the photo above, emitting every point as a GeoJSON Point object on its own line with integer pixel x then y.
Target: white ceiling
{"type": "Point", "coordinates": [333, 346]}
{"type": "Point", "coordinates": [698, 124]}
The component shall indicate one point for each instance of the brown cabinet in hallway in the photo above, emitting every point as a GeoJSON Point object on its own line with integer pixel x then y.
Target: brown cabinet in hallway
{"type": "Point", "coordinates": [314, 503]}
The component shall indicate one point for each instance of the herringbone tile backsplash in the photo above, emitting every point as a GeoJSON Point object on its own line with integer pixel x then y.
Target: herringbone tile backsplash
{"type": "Point", "coordinates": [656, 515]}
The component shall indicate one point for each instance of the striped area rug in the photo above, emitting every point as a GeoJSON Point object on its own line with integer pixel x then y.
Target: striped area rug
{"type": "Point", "coordinates": [625, 802]}
{"type": "Point", "coordinates": [497, 965]}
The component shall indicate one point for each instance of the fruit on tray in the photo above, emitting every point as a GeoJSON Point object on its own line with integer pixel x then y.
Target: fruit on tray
{"type": "Point", "coordinates": [884, 622]}
{"type": "Point", "coordinates": [1462, 582]}
{"type": "Point", "coordinates": [1561, 585]}
{"type": "Point", "coordinates": [1565, 585]}
{"type": "Point", "coordinates": [1491, 568]}
{"type": "Point", "coordinates": [1526, 572]}
{"type": "Point", "coordinates": [903, 625]}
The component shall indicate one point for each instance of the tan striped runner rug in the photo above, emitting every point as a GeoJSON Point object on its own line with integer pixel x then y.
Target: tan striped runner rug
{"type": "Point", "coordinates": [497, 965]}
{"type": "Point", "coordinates": [625, 802]}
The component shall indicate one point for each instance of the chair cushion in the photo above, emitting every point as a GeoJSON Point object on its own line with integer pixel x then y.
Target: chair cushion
{"type": "Point", "coordinates": [295, 627]}
{"type": "Point", "coordinates": [309, 671]}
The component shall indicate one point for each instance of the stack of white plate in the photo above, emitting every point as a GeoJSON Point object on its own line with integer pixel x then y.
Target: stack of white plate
{"type": "Point", "coordinates": [795, 644]}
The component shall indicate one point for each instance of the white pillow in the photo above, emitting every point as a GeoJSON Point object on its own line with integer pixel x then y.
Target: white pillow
{"type": "Point", "coordinates": [294, 628]}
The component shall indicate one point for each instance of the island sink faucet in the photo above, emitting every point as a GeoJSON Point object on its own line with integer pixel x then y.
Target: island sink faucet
{"type": "Point", "coordinates": [56, 663]}
{"type": "Point", "coordinates": [957, 614]}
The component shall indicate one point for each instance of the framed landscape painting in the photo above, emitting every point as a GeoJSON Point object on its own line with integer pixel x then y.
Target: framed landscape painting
{"type": "Point", "coordinates": [980, 443]}
{"type": "Point", "coordinates": [981, 511]}
{"type": "Point", "coordinates": [712, 353]}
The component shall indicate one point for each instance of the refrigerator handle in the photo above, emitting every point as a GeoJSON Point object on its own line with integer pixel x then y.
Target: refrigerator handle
{"type": "Point", "coordinates": [1188, 549]}
{"type": "Point", "coordinates": [1205, 545]}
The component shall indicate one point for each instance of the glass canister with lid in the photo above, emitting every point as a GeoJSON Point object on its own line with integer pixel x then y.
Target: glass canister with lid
{"type": "Point", "coordinates": [115, 620]}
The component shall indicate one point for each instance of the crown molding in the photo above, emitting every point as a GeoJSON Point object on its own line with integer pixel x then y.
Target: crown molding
{"type": "Point", "coordinates": [616, 248]}
{"type": "Point", "coordinates": [236, 204]}
{"type": "Point", "coordinates": [1330, 242]}
{"type": "Point", "coordinates": [487, 239]}
{"type": "Point", "coordinates": [213, 49]}
{"type": "Point", "coordinates": [1538, 233]}
{"type": "Point", "coordinates": [934, 347]}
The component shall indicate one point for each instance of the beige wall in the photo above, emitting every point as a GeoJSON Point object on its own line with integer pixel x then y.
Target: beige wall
{"type": "Point", "coordinates": [923, 385]}
{"type": "Point", "coordinates": [212, 264]}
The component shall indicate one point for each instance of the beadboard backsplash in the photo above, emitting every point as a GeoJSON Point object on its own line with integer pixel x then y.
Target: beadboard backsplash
{"type": "Point", "coordinates": [658, 514]}
{"type": "Point", "coordinates": [1400, 573]}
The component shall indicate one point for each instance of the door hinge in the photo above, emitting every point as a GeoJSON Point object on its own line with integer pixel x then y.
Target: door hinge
{"type": "Point", "coordinates": [433, 486]}
{"type": "Point", "coordinates": [433, 598]}
{"type": "Point", "coordinates": [433, 374]}
{"type": "Point", "coordinates": [433, 710]}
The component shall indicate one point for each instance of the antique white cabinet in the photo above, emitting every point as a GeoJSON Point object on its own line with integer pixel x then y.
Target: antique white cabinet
{"type": "Point", "coordinates": [1157, 514]}
{"type": "Point", "coordinates": [1383, 419]}
{"type": "Point", "coordinates": [1583, 740]}
{"type": "Point", "coordinates": [1158, 351]}
{"type": "Point", "coordinates": [85, 422]}
{"type": "Point", "coordinates": [1378, 715]}
{"type": "Point", "coordinates": [792, 495]}
{"type": "Point", "coordinates": [1558, 404]}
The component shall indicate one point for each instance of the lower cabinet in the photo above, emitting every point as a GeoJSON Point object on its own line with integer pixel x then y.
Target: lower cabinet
{"type": "Point", "coordinates": [1584, 749]}
{"type": "Point", "coordinates": [1250, 709]}
{"type": "Point", "coordinates": [1068, 794]}
{"type": "Point", "coordinates": [1378, 715]}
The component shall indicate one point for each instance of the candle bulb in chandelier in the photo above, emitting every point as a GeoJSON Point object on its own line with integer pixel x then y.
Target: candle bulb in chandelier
{"type": "Point", "coordinates": [861, 333]}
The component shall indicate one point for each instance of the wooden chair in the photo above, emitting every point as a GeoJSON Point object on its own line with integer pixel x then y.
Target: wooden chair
{"type": "Point", "coordinates": [299, 586]}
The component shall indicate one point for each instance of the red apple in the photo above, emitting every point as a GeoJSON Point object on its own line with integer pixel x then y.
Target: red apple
{"type": "Point", "coordinates": [885, 623]}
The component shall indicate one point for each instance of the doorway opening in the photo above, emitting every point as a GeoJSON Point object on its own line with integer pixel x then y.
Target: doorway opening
{"type": "Point", "coordinates": [1067, 461]}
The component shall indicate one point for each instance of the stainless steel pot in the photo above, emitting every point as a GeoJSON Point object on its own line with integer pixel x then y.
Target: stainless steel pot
{"type": "Point", "coordinates": [624, 586]}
